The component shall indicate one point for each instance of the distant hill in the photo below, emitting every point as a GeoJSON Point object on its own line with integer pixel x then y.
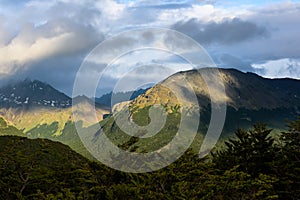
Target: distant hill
{"type": "Point", "coordinates": [119, 97]}
{"type": "Point", "coordinates": [28, 104]}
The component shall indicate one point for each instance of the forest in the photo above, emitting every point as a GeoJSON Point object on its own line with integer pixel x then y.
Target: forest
{"type": "Point", "coordinates": [252, 165]}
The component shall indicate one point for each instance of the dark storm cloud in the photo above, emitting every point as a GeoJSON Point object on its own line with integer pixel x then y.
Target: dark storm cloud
{"type": "Point", "coordinates": [226, 32]}
{"type": "Point", "coordinates": [59, 71]}
{"type": "Point", "coordinates": [227, 60]}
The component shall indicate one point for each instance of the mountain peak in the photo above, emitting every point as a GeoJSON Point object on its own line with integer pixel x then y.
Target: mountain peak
{"type": "Point", "coordinates": [32, 92]}
{"type": "Point", "coordinates": [243, 90]}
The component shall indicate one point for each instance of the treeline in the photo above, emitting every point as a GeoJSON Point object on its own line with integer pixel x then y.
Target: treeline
{"type": "Point", "coordinates": [253, 165]}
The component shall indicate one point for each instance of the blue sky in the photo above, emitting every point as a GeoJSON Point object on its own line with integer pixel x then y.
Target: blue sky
{"type": "Point", "coordinates": [48, 40]}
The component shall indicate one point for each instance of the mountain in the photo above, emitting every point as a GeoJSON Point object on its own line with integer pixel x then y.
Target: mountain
{"type": "Point", "coordinates": [243, 90]}
{"type": "Point", "coordinates": [41, 111]}
{"type": "Point", "coordinates": [28, 104]}
{"type": "Point", "coordinates": [32, 93]}
{"type": "Point", "coordinates": [250, 99]}
{"type": "Point", "coordinates": [119, 97]}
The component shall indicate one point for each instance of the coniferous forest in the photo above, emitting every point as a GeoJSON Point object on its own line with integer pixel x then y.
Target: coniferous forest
{"type": "Point", "coordinates": [252, 165]}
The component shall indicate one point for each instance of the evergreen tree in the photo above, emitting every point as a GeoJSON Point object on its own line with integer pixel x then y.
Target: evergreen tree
{"type": "Point", "coordinates": [288, 162]}
{"type": "Point", "coordinates": [252, 151]}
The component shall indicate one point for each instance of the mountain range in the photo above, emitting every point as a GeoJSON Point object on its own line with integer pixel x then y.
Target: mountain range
{"type": "Point", "coordinates": [40, 111]}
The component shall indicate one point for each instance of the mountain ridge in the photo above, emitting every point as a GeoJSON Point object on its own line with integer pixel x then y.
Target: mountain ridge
{"type": "Point", "coordinates": [243, 90]}
{"type": "Point", "coordinates": [250, 99]}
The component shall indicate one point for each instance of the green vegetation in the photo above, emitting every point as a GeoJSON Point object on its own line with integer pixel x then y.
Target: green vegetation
{"type": "Point", "coordinates": [242, 118]}
{"type": "Point", "coordinates": [253, 165]}
{"type": "Point", "coordinates": [69, 136]}
{"type": "Point", "coordinates": [141, 118]}
{"type": "Point", "coordinates": [6, 129]}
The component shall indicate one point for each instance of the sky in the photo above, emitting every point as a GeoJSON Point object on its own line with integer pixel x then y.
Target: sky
{"type": "Point", "coordinates": [49, 40]}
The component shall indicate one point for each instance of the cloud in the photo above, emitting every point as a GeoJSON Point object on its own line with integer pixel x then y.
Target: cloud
{"type": "Point", "coordinates": [275, 36]}
{"type": "Point", "coordinates": [48, 40]}
{"type": "Point", "coordinates": [279, 68]}
{"type": "Point", "coordinates": [226, 32]}
{"type": "Point", "coordinates": [52, 39]}
{"type": "Point", "coordinates": [164, 6]}
{"type": "Point", "coordinates": [227, 60]}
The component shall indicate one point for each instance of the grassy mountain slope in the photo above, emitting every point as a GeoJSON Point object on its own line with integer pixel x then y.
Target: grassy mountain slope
{"type": "Point", "coordinates": [250, 99]}
{"type": "Point", "coordinates": [34, 116]}
{"type": "Point", "coordinates": [243, 90]}
{"type": "Point", "coordinates": [30, 104]}
{"type": "Point", "coordinates": [52, 123]}
{"type": "Point", "coordinates": [7, 129]}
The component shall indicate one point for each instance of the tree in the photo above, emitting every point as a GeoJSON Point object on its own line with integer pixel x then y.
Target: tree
{"type": "Point", "coordinates": [288, 162]}
{"type": "Point", "coordinates": [253, 151]}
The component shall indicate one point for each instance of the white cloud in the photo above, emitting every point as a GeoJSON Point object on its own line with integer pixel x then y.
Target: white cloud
{"type": "Point", "coordinates": [36, 37]}
{"type": "Point", "coordinates": [279, 68]}
{"type": "Point", "coordinates": [203, 13]}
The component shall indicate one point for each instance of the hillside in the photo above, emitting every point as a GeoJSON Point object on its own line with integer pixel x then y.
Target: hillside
{"type": "Point", "coordinates": [29, 104]}
{"type": "Point", "coordinates": [243, 90]}
{"type": "Point", "coordinates": [7, 129]}
{"type": "Point", "coordinates": [28, 166]}
{"type": "Point", "coordinates": [251, 166]}
{"type": "Point", "coordinates": [249, 97]}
